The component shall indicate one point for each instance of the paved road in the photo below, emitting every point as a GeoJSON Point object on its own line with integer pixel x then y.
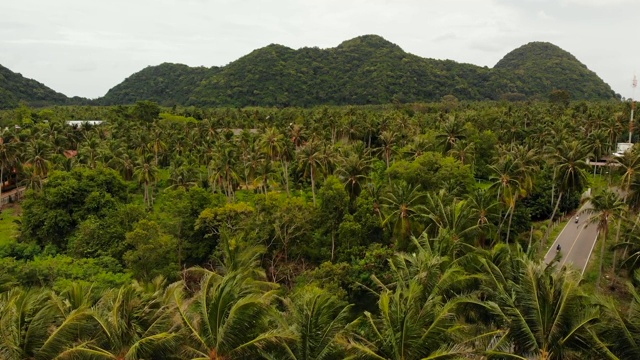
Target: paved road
{"type": "Point", "coordinates": [577, 242]}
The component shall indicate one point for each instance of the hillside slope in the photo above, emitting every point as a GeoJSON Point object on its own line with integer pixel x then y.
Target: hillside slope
{"type": "Point", "coordinates": [540, 67]}
{"type": "Point", "coordinates": [15, 88]}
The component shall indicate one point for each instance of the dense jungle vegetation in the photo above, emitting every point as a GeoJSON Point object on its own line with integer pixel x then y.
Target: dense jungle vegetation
{"type": "Point", "coordinates": [387, 232]}
{"type": "Point", "coordinates": [364, 70]}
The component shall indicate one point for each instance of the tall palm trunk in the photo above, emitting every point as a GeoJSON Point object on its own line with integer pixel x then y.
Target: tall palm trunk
{"type": "Point", "coordinates": [285, 168]}
{"type": "Point", "coordinates": [510, 218]}
{"type": "Point", "coordinates": [602, 249]}
{"type": "Point", "coordinates": [333, 243]}
{"type": "Point", "coordinates": [313, 186]}
{"type": "Point", "coordinates": [553, 214]}
{"type": "Point", "coordinates": [146, 194]}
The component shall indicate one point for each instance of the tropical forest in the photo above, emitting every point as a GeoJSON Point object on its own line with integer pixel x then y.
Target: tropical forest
{"type": "Point", "coordinates": [386, 229]}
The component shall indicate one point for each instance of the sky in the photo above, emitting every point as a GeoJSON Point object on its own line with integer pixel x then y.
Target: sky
{"type": "Point", "coordinates": [85, 47]}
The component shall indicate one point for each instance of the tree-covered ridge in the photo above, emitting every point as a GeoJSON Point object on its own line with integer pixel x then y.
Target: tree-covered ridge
{"type": "Point", "coordinates": [544, 67]}
{"type": "Point", "coordinates": [364, 70]}
{"type": "Point", "coordinates": [167, 84]}
{"type": "Point", "coordinates": [15, 88]}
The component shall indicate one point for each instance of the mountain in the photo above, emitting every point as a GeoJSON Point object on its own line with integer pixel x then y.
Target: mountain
{"type": "Point", "coordinates": [15, 88]}
{"type": "Point", "coordinates": [364, 70]}
{"type": "Point", "coordinates": [166, 84]}
{"type": "Point", "coordinates": [541, 67]}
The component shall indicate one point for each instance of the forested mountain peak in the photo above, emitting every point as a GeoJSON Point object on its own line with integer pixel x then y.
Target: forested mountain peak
{"type": "Point", "coordinates": [534, 51]}
{"type": "Point", "coordinates": [167, 83]}
{"type": "Point", "coordinates": [538, 68]}
{"type": "Point", "coordinates": [372, 42]}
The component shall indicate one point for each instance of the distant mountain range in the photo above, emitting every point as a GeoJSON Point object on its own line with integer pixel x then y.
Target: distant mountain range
{"type": "Point", "coordinates": [364, 70]}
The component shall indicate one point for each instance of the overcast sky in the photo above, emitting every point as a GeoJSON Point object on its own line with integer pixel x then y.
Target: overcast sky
{"type": "Point", "coordinates": [85, 47]}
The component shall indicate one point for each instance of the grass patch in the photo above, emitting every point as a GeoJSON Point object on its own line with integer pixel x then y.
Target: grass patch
{"type": "Point", "coordinates": [8, 228]}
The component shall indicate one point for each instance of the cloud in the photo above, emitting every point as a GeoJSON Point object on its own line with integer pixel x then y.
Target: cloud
{"type": "Point", "coordinates": [544, 16]}
{"type": "Point", "coordinates": [600, 3]}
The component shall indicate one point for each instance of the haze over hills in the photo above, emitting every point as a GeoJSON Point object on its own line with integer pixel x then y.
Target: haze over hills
{"type": "Point", "coordinates": [364, 70]}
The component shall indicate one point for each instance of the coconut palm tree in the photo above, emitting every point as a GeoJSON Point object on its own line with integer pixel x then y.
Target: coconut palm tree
{"type": "Point", "coordinates": [317, 322]}
{"type": "Point", "coordinates": [228, 318]}
{"type": "Point", "coordinates": [310, 159]}
{"type": "Point", "coordinates": [146, 173]}
{"type": "Point", "coordinates": [38, 324]}
{"type": "Point", "coordinates": [450, 223]}
{"type": "Point", "coordinates": [629, 164]}
{"type": "Point", "coordinates": [620, 328]}
{"type": "Point", "coordinates": [403, 208]}
{"type": "Point", "coordinates": [598, 142]}
{"type": "Point", "coordinates": [451, 132]}
{"type": "Point", "coordinates": [388, 138]}
{"type": "Point", "coordinates": [408, 327]}
{"type": "Point", "coordinates": [37, 154]}
{"type": "Point", "coordinates": [605, 207]}
{"type": "Point", "coordinates": [484, 208]}
{"type": "Point", "coordinates": [570, 171]}
{"type": "Point", "coordinates": [539, 312]}
{"type": "Point", "coordinates": [132, 324]}
{"type": "Point", "coordinates": [353, 170]}
{"type": "Point", "coordinates": [507, 176]}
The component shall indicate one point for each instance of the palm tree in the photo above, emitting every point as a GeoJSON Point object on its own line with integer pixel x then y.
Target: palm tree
{"type": "Point", "coordinates": [451, 224]}
{"type": "Point", "coordinates": [539, 312]}
{"type": "Point", "coordinates": [37, 155]}
{"type": "Point", "coordinates": [228, 317]}
{"type": "Point", "coordinates": [37, 324]}
{"type": "Point", "coordinates": [157, 144]}
{"type": "Point", "coordinates": [621, 329]}
{"type": "Point", "coordinates": [629, 163]}
{"type": "Point", "coordinates": [132, 324]}
{"type": "Point", "coordinates": [353, 170]}
{"type": "Point", "coordinates": [89, 151]}
{"type": "Point", "coordinates": [317, 321]}
{"type": "Point", "coordinates": [484, 209]}
{"type": "Point", "coordinates": [598, 141]}
{"type": "Point", "coordinates": [310, 159]}
{"type": "Point", "coordinates": [407, 326]}
{"type": "Point", "coordinates": [569, 161]}
{"type": "Point", "coordinates": [388, 139]}
{"type": "Point", "coordinates": [605, 207]}
{"type": "Point", "coordinates": [271, 143]}
{"type": "Point", "coordinates": [452, 131]}
{"type": "Point", "coordinates": [146, 173]}
{"type": "Point", "coordinates": [507, 179]}
{"type": "Point", "coordinates": [402, 205]}
{"type": "Point", "coordinates": [463, 151]}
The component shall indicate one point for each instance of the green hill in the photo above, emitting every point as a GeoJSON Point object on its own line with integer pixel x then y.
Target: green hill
{"type": "Point", "coordinates": [166, 84]}
{"type": "Point", "coordinates": [538, 68]}
{"type": "Point", "coordinates": [364, 70]}
{"type": "Point", "coordinates": [15, 88]}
